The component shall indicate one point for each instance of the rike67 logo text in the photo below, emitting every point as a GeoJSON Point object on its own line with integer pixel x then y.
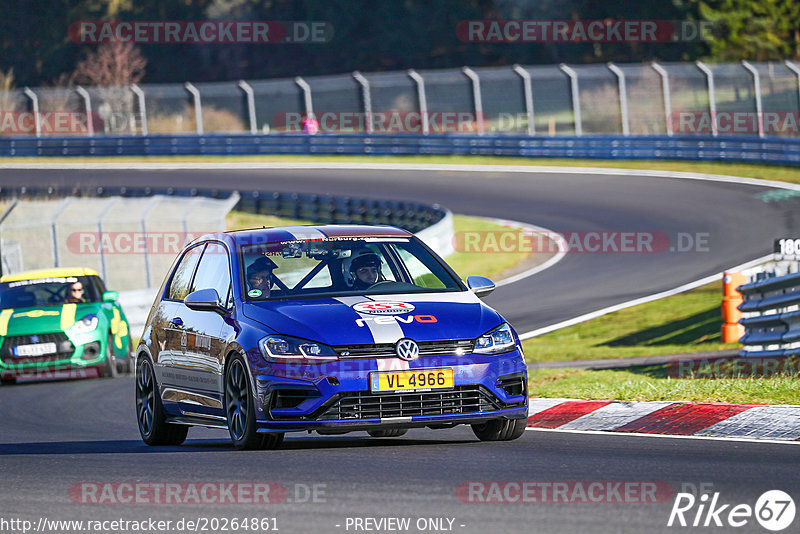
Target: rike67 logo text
{"type": "Point", "coordinates": [774, 510]}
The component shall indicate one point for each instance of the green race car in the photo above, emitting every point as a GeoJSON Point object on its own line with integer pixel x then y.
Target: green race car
{"type": "Point", "coordinates": [61, 320]}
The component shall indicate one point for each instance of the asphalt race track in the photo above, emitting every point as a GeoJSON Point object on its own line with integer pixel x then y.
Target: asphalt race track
{"type": "Point", "coordinates": [56, 435]}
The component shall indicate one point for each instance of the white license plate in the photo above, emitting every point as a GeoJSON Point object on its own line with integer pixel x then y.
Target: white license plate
{"type": "Point", "coordinates": [36, 349]}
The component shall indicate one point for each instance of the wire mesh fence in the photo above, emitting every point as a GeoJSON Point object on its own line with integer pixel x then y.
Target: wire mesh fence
{"type": "Point", "coordinates": [546, 100]}
{"type": "Point", "coordinates": [130, 241]}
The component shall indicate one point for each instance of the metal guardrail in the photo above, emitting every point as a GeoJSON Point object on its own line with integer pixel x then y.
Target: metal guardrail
{"type": "Point", "coordinates": [772, 324]}
{"type": "Point", "coordinates": [783, 151]}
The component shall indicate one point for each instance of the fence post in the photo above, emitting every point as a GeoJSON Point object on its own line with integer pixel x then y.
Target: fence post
{"type": "Point", "coordinates": [142, 109]}
{"type": "Point", "coordinates": [423, 101]}
{"type": "Point", "coordinates": [54, 229]}
{"type": "Point", "coordinates": [154, 201]}
{"type": "Point", "coordinates": [366, 96]}
{"type": "Point", "coordinates": [476, 97]}
{"type": "Point", "coordinates": [103, 213]}
{"type": "Point", "coordinates": [665, 90]}
{"type": "Point", "coordinates": [3, 216]}
{"type": "Point", "coordinates": [757, 87]}
{"type": "Point", "coordinates": [87, 105]}
{"type": "Point", "coordinates": [251, 105]}
{"type": "Point", "coordinates": [306, 95]}
{"type": "Point", "coordinates": [198, 109]}
{"type": "Point", "coordinates": [35, 102]}
{"type": "Point", "coordinates": [528, 91]}
{"type": "Point", "coordinates": [576, 99]}
{"type": "Point", "coordinates": [794, 68]}
{"type": "Point", "coordinates": [712, 100]}
{"type": "Point", "coordinates": [623, 98]}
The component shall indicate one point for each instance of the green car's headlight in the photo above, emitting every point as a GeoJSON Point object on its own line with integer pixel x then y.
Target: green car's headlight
{"type": "Point", "coordinates": [500, 339]}
{"type": "Point", "coordinates": [286, 349]}
{"type": "Point", "coordinates": [86, 324]}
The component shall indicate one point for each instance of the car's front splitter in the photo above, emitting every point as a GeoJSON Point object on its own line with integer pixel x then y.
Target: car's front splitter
{"type": "Point", "coordinates": [350, 425]}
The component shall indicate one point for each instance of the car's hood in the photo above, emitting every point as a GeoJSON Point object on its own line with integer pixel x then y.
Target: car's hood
{"type": "Point", "coordinates": [43, 319]}
{"type": "Point", "coordinates": [333, 321]}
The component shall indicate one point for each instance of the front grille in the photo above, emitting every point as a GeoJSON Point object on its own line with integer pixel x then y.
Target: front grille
{"type": "Point", "coordinates": [365, 405]}
{"type": "Point", "coordinates": [447, 347]}
{"type": "Point", "coordinates": [64, 347]}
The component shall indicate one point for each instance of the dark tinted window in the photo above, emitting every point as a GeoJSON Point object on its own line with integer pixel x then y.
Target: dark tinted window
{"type": "Point", "coordinates": [214, 272]}
{"type": "Point", "coordinates": [182, 277]}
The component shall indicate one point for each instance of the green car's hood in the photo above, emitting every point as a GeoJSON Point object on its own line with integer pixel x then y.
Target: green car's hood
{"type": "Point", "coordinates": [43, 319]}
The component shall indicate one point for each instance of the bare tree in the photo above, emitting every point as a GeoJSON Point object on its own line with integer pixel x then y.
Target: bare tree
{"type": "Point", "coordinates": [113, 67]}
{"type": "Point", "coordinates": [113, 64]}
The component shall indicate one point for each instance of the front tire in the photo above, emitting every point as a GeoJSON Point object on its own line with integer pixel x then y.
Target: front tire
{"type": "Point", "coordinates": [150, 415]}
{"type": "Point", "coordinates": [240, 410]}
{"type": "Point", "coordinates": [500, 429]}
{"type": "Point", "coordinates": [110, 370]}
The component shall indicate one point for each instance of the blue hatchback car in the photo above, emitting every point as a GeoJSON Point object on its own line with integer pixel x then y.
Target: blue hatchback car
{"type": "Point", "coordinates": [330, 329]}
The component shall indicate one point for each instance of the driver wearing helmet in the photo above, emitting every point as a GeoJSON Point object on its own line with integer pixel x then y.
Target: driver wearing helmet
{"type": "Point", "coordinates": [365, 269]}
{"type": "Point", "coordinates": [259, 278]}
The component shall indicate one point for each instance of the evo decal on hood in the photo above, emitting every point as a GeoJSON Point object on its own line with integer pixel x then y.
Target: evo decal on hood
{"type": "Point", "coordinates": [338, 321]}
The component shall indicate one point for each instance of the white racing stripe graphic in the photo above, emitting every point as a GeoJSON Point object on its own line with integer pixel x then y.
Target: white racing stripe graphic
{"type": "Point", "coordinates": [390, 332]}
{"type": "Point", "coordinates": [304, 233]}
{"type": "Point", "coordinates": [381, 333]}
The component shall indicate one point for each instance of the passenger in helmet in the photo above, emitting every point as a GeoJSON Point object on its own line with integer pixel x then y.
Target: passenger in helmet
{"type": "Point", "coordinates": [259, 278]}
{"type": "Point", "coordinates": [365, 269]}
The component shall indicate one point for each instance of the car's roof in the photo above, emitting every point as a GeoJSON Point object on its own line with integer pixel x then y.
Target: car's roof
{"type": "Point", "coordinates": [58, 272]}
{"type": "Point", "coordinates": [311, 232]}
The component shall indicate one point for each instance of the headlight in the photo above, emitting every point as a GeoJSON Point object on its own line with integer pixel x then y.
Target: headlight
{"type": "Point", "coordinates": [87, 324]}
{"type": "Point", "coordinates": [286, 348]}
{"type": "Point", "coordinates": [501, 339]}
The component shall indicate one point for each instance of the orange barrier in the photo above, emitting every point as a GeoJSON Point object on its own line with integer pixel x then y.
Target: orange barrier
{"type": "Point", "coordinates": [732, 331]}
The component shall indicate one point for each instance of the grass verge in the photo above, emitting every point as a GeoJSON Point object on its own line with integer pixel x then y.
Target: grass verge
{"type": "Point", "coordinates": [653, 384]}
{"type": "Point", "coordinates": [687, 322]}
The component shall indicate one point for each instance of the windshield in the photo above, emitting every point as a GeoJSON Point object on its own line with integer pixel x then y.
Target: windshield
{"type": "Point", "coordinates": [47, 292]}
{"type": "Point", "coordinates": [337, 267]}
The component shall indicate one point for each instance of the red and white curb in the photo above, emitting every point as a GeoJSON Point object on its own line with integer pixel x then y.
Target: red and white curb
{"type": "Point", "coordinates": [700, 419]}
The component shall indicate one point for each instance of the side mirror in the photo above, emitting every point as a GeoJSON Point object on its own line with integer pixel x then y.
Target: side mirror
{"type": "Point", "coordinates": [110, 296]}
{"type": "Point", "coordinates": [203, 300]}
{"type": "Point", "coordinates": [480, 285]}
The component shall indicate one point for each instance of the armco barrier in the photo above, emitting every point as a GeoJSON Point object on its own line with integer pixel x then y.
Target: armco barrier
{"type": "Point", "coordinates": [772, 322]}
{"type": "Point", "coordinates": [783, 151]}
{"type": "Point", "coordinates": [322, 209]}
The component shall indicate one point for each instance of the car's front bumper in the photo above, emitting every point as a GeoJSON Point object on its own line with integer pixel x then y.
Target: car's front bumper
{"type": "Point", "coordinates": [79, 352]}
{"type": "Point", "coordinates": [337, 396]}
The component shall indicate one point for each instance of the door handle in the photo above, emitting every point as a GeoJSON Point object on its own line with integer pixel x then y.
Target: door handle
{"type": "Point", "coordinates": [177, 321]}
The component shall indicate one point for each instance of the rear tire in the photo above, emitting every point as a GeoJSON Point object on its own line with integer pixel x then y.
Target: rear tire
{"type": "Point", "coordinates": [500, 429]}
{"type": "Point", "coordinates": [388, 433]}
{"type": "Point", "coordinates": [152, 422]}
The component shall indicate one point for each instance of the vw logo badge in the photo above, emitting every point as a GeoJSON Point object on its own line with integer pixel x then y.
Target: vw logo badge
{"type": "Point", "coordinates": [34, 338]}
{"type": "Point", "coordinates": [407, 349]}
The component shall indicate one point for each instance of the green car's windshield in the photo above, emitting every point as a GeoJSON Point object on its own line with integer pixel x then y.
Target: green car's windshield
{"type": "Point", "coordinates": [47, 292]}
{"type": "Point", "coordinates": [340, 267]}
